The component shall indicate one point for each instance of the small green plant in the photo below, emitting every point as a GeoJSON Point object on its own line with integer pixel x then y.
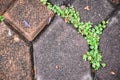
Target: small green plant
{"type": "Point", "coordinates": [44, 1]}
{"type": "Point", "coordinates": [1, 18]}
{"type": "Point", "coordinates": [92, 35]}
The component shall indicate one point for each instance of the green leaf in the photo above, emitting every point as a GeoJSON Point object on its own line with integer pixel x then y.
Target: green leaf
{"type": "Point", "coordinates": [76, 26]}
{"type": "Point", "coordinates": [103, 22]}
{"type": "Point", "coordinates": [44, 1]}
{"type": "Point", "coordinates": [98, 64]}
{"type": "Point", "coordinates": [1, 18]}
{"type": "Point", "coordinates": [85, 57]}
{"type": "Point", "coordinates": [91, 47]}
{"type": "Point", "coordinates": [103, 64]}
{"type": "Point", "coordinates": [93, 30]}
{"type": "Point", "coordinates": [93, 65]}
{"type": "Point", "coordinates": [89, 58]}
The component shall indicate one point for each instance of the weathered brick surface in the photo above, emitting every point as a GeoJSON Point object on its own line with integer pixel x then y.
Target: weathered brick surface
{"type": "Point", "coordinates": [28, 17]}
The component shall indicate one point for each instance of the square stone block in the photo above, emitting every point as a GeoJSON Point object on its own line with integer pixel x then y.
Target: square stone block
{"type": "Point", "coordinates": [28, 17]}
{"type": "Point", "coordinates": [4, 5]}
{"type": "Point", "coordinates": [58, 53]}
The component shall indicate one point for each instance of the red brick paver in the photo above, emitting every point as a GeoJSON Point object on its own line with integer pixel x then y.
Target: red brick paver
{"type": "Point", "coordinates": [28, 17]}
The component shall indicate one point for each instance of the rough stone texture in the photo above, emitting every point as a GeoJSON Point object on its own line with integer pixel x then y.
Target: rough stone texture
{"type": "Point", "coordinates": [110, 47]}
{"type": "Point", "coordinates": [15, 59]}
{"type": "Point", "coordinates": [57, 2]}
{"type": "Point", "coordinates": [61, 2]}
{"type": "Point", "coordinates": [58, 53]}
{"type": "Point", "coordinates": [97, 10]}
{"type": "Point", "coordinates": [28, 17]}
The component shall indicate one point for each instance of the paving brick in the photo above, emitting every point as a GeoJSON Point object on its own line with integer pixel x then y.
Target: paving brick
{"type": "Point", "coordinates": [15, 58]}
{"type": "Point", "coordinates": [5, 4]}
{"type": "Point", "coordinates": [58, 53]}
{"type": "Point", "coordinates": [110, 48]}
{"type": "Point", "coordinates": [56, 2]}
{"type": "Point", "coordinates": [61, 2]}
{"type": "Point", "coordinates": [28, 17]}
{"type": "Point", "coordinates": [97, 10]}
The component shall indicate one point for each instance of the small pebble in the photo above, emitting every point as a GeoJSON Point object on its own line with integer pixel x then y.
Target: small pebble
{"type": "Point", "coordinates": [57, 66]}
{"type": "Point", "coordinates": [66, 20]}
{"type": "Point", "coordinates": [87, 8]}
{"type": "Point", "coordinates": [9, 32]}
{"type": "Point", "coordinates": [49, 20]}
{"type": "Point", "coordinates": [112, 72]}
{"type": "Point", "coordinates": [16, 38]}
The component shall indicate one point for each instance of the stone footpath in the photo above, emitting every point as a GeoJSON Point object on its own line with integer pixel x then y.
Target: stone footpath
{"type": "Point", "coordinates": [56, 53]}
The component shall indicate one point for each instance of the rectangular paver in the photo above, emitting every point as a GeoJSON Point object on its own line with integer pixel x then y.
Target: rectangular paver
{"type": "Point", "coordinates": [28, 17]}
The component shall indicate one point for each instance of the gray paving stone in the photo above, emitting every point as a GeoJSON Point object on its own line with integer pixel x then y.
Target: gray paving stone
{"type": "Point", "coordinates": [99, 10]}
{"type": "Point", "coordinates": [58, 53]}
{"type": "Point", "coordinates": [110, 47]}
{"type": "Point", "coordinates": [57, 2]}
{"type": "Point", "coordinates": [61, 2]}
